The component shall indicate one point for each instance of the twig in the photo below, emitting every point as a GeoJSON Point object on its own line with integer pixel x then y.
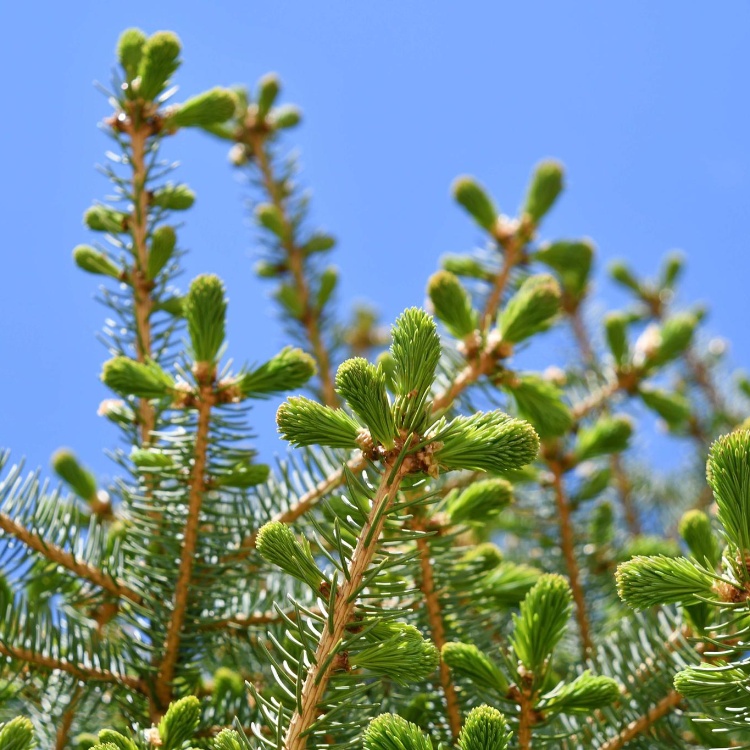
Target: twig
{"type": "Point", "coordinates": [67, 560]}
{"type": "Point", "coordinates": [310, 317]}
{"type": "Point", "coordinates": [322, 666]}
{"type": "Point", "coordinates": [567, 545]}
{"type": "Point", "coordinates": [77, 670]}
{"type": "Point", "coordinates": [190, 541]}
{"type": "Point", "coordinates": [638, 726]}
{"type": "Point", "coordinates": [437, 633]}
{"type": "Point", "coordinates": [66, 720]}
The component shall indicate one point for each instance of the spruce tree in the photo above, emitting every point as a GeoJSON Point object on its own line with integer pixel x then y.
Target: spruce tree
{"type": "Point", "coordinates": [455, 550]}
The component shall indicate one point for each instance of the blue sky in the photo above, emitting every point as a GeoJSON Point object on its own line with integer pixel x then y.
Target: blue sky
{"type": "Point", "coordinates": [645, 103]}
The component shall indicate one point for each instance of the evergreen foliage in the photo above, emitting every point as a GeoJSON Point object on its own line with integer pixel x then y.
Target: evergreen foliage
{"type": "Point", "coordinates": [455, 551]}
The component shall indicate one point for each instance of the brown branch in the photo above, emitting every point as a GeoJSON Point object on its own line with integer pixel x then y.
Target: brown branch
{"type": "Point", "coordinates": [526, 718]}
{"type": "Point", "coordinates": [319, 674]}
{"type": "Point", "coordinates": [437, 633]}
{"type": "Point", "coordinates": [139, 131]}
{"type": "Point", "coordinates": [165, 677]}
{"type": "Point", "coordinates": [78, 671]}
{"type": "Point", "coordinates": [310, 318]}
{"type": "Point", "coordinates": [511, 244]}
{"type": "Point", "coordinates": [66, 720]}
{"type": "Point", "coordinates": [625, 493]}
{"type": "Point", "coordinates": [567, 546]}
{"type": "Point", "coordinates": [638, 726]}
{"type": "Point", "coordinates": [67, 560]}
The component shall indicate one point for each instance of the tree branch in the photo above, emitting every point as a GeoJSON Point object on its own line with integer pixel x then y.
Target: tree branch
{"type": "Point", "coordinates": [638, 726]}
{"type": "Point", "coordinates": [316, 681]}
{"type": "Point", "coordinates": [67, 560]}
{"type": "Point", "coordinates": [166, 673]}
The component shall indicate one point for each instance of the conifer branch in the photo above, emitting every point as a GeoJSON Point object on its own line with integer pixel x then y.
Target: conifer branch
{"type": "Point", "coordinates": [67, 560]}
{"type": "Point", "coordinates": [79, 671]}
{"type": "Point", "coordinates": [319, 673]}
{"type": "Point", "coordinates": [525, 718]}
{"type": "Point", "coordinates": [206, 400]}
{"type": "Point", "coordinates": [437, 632]}
{"type": "Point", "coordinates": [139, 131]}
{"type": "Point", "coordinates": [641, 725]}
{"type": "Point", "coordinates": [310, 314]}
{"type": "Point", "coordinates": [66, 721]}
{"type": "Point", "coordinates": [625, 493]}
{"type": "Point", "coordinates": [567, 545]}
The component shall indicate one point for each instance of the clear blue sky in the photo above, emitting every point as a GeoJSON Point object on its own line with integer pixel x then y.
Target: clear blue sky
{"type": "Point", "coordinates": [646, 103]}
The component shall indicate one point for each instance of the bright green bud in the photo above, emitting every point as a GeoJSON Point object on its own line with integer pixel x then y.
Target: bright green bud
{"type": "Point", "coordinates": [467, 661]}
{"type": "Point", "coordinates": [479, 501]}
{"type": "Point", "coordinates": [487, 441]}
{"type": "Point", "coordinates": [173, 197]}
{"type": "Point", "coordinates": [403, 654]}
{"type": "Point", "coordinates": [288, 297]}
{"type": "Point", "coordinates": [270, 217]}
{"type": "Point", "coordinates": [328, 281]}
{"type": "Point", "coordinates": [624, 276]}
{"type": "Point", "coordinates": [85, 741]}
{"type": "Point", "coordinates": [172, 305]}
{"type": "Point", "coordinates": [695, 529]}
{"type": "Point", "coordinates": [602, 525]}
{"type": "Point", "coordinates": [482, 557]}
{"type": "Point", "coordinates": [530, 309]}
{"type": "Point", "coordinates": [540, 402]}
{"type": "Point", "coordinates": [646, 581]}
{"type": "Point", "coordinates": [227, 682]}
{"type": "Point", "coordinates": [571, 260]}
{"type": "Point", "coordinates": [105, 746]}
{"type": "Point", "coordinates": [728, 474]}
{"type": "Point", "coordinates": [278, 545]}
{"type": "Point", "coordinates": [67, 467]}
{"type": "Point", "coordinates": [465, 265]}
{"type": "Point", "coordinates": [92, 261]}
{"type": "Point", "coordinates": [452, 304]}
{"type": "Point", "coordinates": [160, 59]}
{"type": "Point", "coordinates": [305, 422]}
{"type": "Point", "coordinates": [673, 408]}
{"type": "Point", "coordinates": [546, 185]}
{"type": "Point", "coordinates": [163, 242]}
{"type": "Point", "coordinates": [243, 474]}
{"type": "Point", "coordinates": [228, 739]}
{"type": "Point", "coordinates": [717, 683]}
{"type": "Point", "coordinates": [104, 219]}
{"type": "Point", "coordinates": [392, 732]}
{"type": "Point", "coordinates": [675, 336]}
{"type": "Point", "coordinates": [606, 435]}
{"type": "Point", "coordinates": [416, 350]}
{"type": "Point", "coordinates": [319, 243]}
{"type": "Point", "coordinates": [268, 90]}
{"type": "Point", "coordinates": [616, 328]}
{"type": "Point", "coordinates": [150, 459]}
{"type": "Point", "coordinates": [130, 378]}
{"type": "Point", "coordinates": [594, 481]}
{"type": "Point", "coordinates": [586, 693]}
{"type": "Point", "coordinates": [17, 734]}
{"type": "Point", "coordinates": [286, 116]}
{"type": "Point", "coordinates": [179, 723]}
{"type": "Point", "coordinates": [485, 728]}
{"type": "Point", "coordinates": [673, 265]}
{"type": "Point", "coordinates": [363, 386]}
{"type": "Point", "coordinates": [130, 51]}
{"type": "Point", "coordinates": [509, 583]}
{"type": "Point", "coordinates": [209, 108]}
{"type": "Point", "coordinates": [206, 311]}
{"type": "Point", "coordinates": [541, 622]}
{"type": "Point", "coordinates": [267, 270]}
{"type": "Point", "coordinates": [290, 369]}
{"type": "Point", "coordinates": [472, 196]}
{"type": "Point", "coordinates": [111, 737]}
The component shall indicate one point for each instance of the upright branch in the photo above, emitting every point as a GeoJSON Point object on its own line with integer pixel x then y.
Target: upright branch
{"type": "Point", "coordinates": [568, 548]}
{"type": "Point", "coordinates": [303, 293]}
{"type": "Point", "coordinates": [316, 681]}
